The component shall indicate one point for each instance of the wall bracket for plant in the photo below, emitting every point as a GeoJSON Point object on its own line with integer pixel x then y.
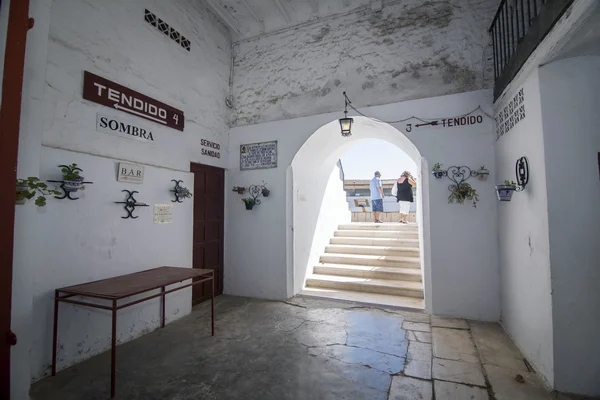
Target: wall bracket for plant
{"type": "Point", "coordinates": [67, 190]}
{"type": "Point", "coordinates": [459, 189]}
{"type": "Point", "coordinates": [255, 191]}
{"type": "Point", "coordinates": [130, 203]}
{"type": "Point", "coordinates": [180, 192]}
{"type": "Point", "coordinates": [522, 173]}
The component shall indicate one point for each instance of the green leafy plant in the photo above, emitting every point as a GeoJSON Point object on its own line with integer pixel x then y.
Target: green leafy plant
{"type": "Point", "coordinates": [510, 183]}
{"type": "Point", "coordinates": [184, 192]}
{"type": "Point", "coordinates": [71, 174]}
{"type": "Point", "coordinates": [248, 200]}
{"type": "Point", "coordinates": [437, 167]}
{"type": "Point", "coordinates": [463, 192]}
{"type": "Point", "coordinates": [483, 168]}
{"type": "Point", "coordinates": [28, 188]}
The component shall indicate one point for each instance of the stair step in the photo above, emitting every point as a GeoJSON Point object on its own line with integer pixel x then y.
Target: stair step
{"type": "Point", "coordinates": [377, 234]}
{"type": "Point", "coordinates": [365, 241]}
{"type": "Point", "coordinates": [372, 250]}
{"type": "Point", "coordinates": [364, 271]}
{"type": "Point", "coordinates": [371, 260]}
{"type": "Point", "coordinates": [369, 299]}
{"type": "Point", "coordinates": [382, 286]}
{"type": "Point", "coordinates": [395, 226]}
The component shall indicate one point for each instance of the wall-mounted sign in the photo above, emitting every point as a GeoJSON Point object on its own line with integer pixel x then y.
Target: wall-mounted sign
{"type": "Point", "coordinates": [123, 128]}
{"type": "Point", "coordinates": [448, 122]}
{"type": "Point", "coordinates": [212, 148]}
{"type": "Point", "coordinates": [163, 213]}
{"type": "Point", "coordinates": [113, 95]}
{"type": "Point", "coordinates": [131, 173]}
{"type": "Point", "coordinates": [258, 155]}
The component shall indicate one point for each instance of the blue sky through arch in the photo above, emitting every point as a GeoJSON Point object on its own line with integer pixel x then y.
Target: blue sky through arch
{"type": "Point", "coordinates": [366, 157]}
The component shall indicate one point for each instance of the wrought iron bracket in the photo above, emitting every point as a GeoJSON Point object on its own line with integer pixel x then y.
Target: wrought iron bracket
{"type": "Point", "coordinates": [255, 191]}
{"type": "Point", "coordinates": [177, 191]}
{"type": "Point", "coordinates": [522, 173]}
{"type": "Point", "coordinates": [130, 203]}
{"type": "Point", "coordinates": [67, 194]}
{"type": "Point", "coordinates": [458, 175]}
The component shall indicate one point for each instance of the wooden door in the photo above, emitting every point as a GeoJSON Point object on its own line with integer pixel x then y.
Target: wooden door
{"type": "Point", "coordinates": [10, 118]}
{"type": "Point", "coordinates": [209, 216]}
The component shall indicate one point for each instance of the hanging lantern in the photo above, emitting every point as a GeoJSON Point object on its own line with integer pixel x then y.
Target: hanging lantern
{"type": "Point", "coordinates": [346, 123]}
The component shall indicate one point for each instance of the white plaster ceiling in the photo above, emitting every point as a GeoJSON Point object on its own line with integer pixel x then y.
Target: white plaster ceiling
{"type": "Point", "coordinates": [585, 41]}
{"type": "Point", "coordinates": [250, 18]}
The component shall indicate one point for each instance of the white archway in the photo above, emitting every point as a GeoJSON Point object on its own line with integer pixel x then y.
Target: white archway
{"type": "Point", "coordinates": [307, 178]}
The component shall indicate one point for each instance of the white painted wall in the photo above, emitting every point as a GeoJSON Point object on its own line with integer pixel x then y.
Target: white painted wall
{"type": "Point", "coordinates": [78, 241]}
{"type": "Point", "coordinates": [570, 93]}
{"type": "Point", "coordinates": [523, 237]}
{"type": "Point", "coordinates": [328, 214]}
{"type": "Point", "coordinates": [463, 241]}
{"type": "Point", "coordinates": [412, 49]}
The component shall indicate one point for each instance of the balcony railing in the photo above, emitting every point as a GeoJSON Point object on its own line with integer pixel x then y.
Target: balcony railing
{"type": "Point", "coordinates": [517, 29]}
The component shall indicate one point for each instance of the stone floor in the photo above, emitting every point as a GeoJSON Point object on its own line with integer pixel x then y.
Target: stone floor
{"type": "Point", "coordinates": [307, 349]}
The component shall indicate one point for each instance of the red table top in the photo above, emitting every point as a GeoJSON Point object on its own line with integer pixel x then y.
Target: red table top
{"type": "Point", "coordinates": [123, 286]}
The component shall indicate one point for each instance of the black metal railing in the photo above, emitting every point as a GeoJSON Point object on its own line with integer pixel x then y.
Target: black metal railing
{"type": "Point", "coordinates": [517, 29]}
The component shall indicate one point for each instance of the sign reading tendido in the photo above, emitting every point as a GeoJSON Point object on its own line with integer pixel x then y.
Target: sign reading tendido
{"type": "Point", "coordinates": [258, 155]}
{"type": "Point", "coordinates": [110, 94]}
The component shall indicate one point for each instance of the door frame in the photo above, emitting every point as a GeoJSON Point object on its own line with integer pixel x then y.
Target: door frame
{"type": "Point", "coordinates": [218, 290]}
{"type": "Point", "coordinates": [10, 120]}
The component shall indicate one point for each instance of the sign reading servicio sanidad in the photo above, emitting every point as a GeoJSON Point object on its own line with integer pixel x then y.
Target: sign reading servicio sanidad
{"type": "Point", "coordinates": [111, 94]}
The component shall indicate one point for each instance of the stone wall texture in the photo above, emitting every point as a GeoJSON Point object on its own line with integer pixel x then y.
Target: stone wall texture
{"type": "Point", "coordinates": [411, 49]}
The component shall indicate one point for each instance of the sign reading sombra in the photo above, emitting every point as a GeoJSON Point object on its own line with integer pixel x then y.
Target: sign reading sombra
{"type": "Point", "coordinates": [124, 128]}
{"type": "Point", "coordinates": [110, 94]}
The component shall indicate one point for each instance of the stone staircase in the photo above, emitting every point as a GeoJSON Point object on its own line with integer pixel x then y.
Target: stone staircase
{"type": "Point", "coordinates": [370, 263]}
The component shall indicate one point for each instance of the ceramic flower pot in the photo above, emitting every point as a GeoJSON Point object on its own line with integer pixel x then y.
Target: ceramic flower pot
{"type": "Point", "coordinates": [483, 174]}
{"type": "Point", "coordinates": [266, 192]}
{"type": "Point", "coordinates": [438, 174]}
{"type": "Point", "coordinates": [505, 192]}
{"type": "Point", "coordinates": [72, 185]}
{"type": "Point", "coordinates": [21, 189]}
{"type": "Point", "coordinates": [249, 206]}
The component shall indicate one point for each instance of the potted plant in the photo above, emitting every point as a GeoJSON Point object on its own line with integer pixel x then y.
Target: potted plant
{"type": "Point", "coordinates": [463, 192]}
{"type": "Point", "coordinates": [72, 180]}
{"type": "Point", "coordinates": [505, 191]}
{"type": "Point", "coordinates": [265, 192]}
{"type": "Point", "coordinates": [249, 202]}
{"type": "Point", "coordinates": [28, 188]}
{"type": "Point", "coordinates": [183, 192]}
{"type": "Point", "coordinates": [437, 171]}
{"type": "Point", "coordinates": [483, 173]}
{"type": "Point", "coordinates": [239, 189]}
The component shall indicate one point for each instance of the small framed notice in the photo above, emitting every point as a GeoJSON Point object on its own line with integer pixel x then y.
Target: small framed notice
{"type": "Point", "coordinates": [258, 155]}
{"type": "Point", "coordinates": [131, 173]}
{"type": "Point", "coordinates": [163, 213]}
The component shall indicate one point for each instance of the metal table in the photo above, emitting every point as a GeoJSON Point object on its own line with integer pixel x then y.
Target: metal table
{"type": "Point", "coordinates": [124, 286]}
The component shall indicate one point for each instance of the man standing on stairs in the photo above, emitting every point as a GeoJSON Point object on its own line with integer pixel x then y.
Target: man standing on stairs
{"type": "Point", "coordinates": [377, 197]}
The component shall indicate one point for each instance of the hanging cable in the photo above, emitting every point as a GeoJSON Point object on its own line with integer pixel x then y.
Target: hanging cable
{"type": "Point", "coordinates": [479, 108]}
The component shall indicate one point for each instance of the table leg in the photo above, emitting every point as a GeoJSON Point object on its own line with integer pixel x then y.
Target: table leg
{"type": "Point", "coordinates": [162, 324]}
{"type": "Point", "coordinates": [55, 333]}
{"type": "Point", "coordinates": [212, 305]}
{"type": "Point", "coordinates": [113, 351]}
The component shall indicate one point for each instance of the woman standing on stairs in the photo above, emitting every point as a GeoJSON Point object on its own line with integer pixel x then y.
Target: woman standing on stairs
{"type": "Point", "coordinates": [403, 192]}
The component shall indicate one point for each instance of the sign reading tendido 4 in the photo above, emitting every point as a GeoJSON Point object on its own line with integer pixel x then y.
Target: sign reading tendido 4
{"type": "Point", "coordinates": [258, 155]}
{"type": "Point", "coordinates": [110, 94]}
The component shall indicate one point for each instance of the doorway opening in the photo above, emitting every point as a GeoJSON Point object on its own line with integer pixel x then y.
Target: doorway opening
{"type": "Point", "coordinates": [324, 238]}
{"type": "Point", "coordinates": [209, 218]}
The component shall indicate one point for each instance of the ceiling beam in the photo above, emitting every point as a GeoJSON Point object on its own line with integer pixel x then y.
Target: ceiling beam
{"type": "Point", "coordinates": [224, 14]}
{"type": "Point", "coordinates": [282, 11]}
{"type": "Point", "coordinates": [256, 17]}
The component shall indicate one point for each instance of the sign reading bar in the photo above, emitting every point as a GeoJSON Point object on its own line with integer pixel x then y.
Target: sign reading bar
{"type": "Point", "coordinates": [258, 155]}
{"type": "Point", "coordinates": [123, 128]}
{"type": "Point", "coordinates": [113, 95]}
{"type": "Point", "coordinates": [131, 173]}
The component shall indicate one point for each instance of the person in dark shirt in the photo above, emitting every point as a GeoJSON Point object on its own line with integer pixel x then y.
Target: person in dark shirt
{"type": "Point", "coordinates": [403, 192]}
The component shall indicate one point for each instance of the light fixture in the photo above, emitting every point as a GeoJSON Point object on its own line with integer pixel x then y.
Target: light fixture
{"type": "Point", "coordinates": [346, 123]}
